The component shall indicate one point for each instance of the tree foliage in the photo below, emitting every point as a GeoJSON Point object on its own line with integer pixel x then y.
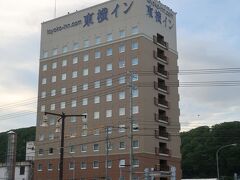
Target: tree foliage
{"type": "Point", "coordinates": [199, 148]}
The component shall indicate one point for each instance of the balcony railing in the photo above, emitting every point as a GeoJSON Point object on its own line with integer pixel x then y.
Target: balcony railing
{"type": "Point", "coordinates": [161, 118]}
{"type": "Point", "coordinates": [162, 151]}
{"type": "Point", "coordinates": [160, 57]}
{"type": "Point", "coordinates": [161, 134]}
{"type": "Point", "coordinates": [161, 87]}
{"type": "Point", "coordinates": [160, 102]}
{"type": "Point", "coordinates": [162, 167]}
{"type": "Point", "coordinates": [161, 72]}
{"type": "Point", "coordinates": [160, 42]}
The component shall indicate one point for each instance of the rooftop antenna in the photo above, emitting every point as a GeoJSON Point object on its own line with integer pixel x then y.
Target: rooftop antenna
{"type": "Point", "coordinates": [55, 9]}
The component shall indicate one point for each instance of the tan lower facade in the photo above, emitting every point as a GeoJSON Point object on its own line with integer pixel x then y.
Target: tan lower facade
{"type": "Point", "coordinates": [77, 171]}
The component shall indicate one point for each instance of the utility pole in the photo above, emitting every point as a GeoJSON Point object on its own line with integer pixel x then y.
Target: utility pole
{"type": "Point", "coordinates": [107, 152]}
{"type": "Point", "coordinates": [131, 128]}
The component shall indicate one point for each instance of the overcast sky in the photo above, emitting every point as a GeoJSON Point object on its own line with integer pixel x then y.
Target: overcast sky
{"type": "Point", "coordinates": [208, 37]}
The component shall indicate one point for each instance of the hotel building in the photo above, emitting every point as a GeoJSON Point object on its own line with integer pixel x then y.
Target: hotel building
{"type": "Point", "coordinates": [111, 62]}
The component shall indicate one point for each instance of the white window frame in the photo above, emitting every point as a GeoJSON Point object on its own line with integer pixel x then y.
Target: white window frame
{"type": "Point", "coordinates": [109, 67]}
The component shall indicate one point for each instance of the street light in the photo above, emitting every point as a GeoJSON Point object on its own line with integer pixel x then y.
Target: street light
{"type": "Point", "coordinates": [62, 117]}
{"type": "Point", "coordinates": [219, 149]}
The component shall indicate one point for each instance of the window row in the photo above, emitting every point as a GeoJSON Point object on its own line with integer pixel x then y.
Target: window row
{"type": "Point", "coordinates": [108, 82]}
{"type": "Point", "coordinates": [95, 148]}
{"type": "Point", "coordinates": [96, 114]}
{"type": "Point", "coordinates": [95, 165]}
{"type": "Point", "coordinates": [97, 69]}
{"type": "Point", "coordinates": [86, 43]}
{"type": "Point", "coordinates": [85, 86]}
{"type": "Point", "coordinates": [85, 132]}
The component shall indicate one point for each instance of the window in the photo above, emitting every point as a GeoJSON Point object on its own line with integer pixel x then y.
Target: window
{"type": "Point", "coordinates": [51, 136]}
{"type": "Point", "coordinates": [109, 145]}
{"type": "Point", "coordinates": [74, 103]}
{"type": "Point", "coordinates": [22, 170]}
{"type": "Point", "coordinates": [55, 52]}
{"type": "Point", "coordinates": [122, 163]}
{"type": "Point", "coordinates": [122, 128]}
{"type": "Point", "coordinates": [135, 77]}
{"type": "Point", "coordinates": [97, 69]}
{"type": "Point", "coordinates": [122, 145]}
{"type": "Point", "coordinates": [40, 168]}
{"type": "Point", "coordinates": [51, 121]}
{"type": "Point", "coordinates": [64, 76]}
{"type": "Point", "coordinates": [109, 37]}
{"type": "Point", "coordinates": [109, 164]}
{"type": "Point", "coordinates": [95, 164]}
{"type": "Point", "coordinates": [96, 132]}
{"type": "Point", "coordinates": [64, 63]}
{"type": "Point", "coordinates": [85, 72]}
{"type": "Point", "coordinates": [83, 165]}
{"type": "Point", "coordinates": [109, 52]}
{"type": "Point", "coordinates": [52, 107]}
{"type": "Point", "coordinates": [122, 80]}
{"type": "Point", "coordinates": [43, 108]}
{"type": "Point", "coordinates": [44, 81]}
{"type": "Point", "coordinates": [109, 97]}
{"type": "Point", "coordinates": [134, 61]}
{"type": "Point", "coordinates": [85, 86]}
{"type": "Point", "coordinates": [134, 45]}
{"type": "Point", "coordinates": [75, 60]}
{"type": "Point", "coordinates": [72, 149]}
{"type": "Point", "coordinates": [45, 54]}
{"type": "Point", "coordinates": [73, 119]}
{"type": "Point", "coordinates": [134, 30]}
{"type": "Point", "coordinates": [71, 166]}
{"type": "Point", "coordinates": [135, 127]}
{"type": "Point", "coordinates": [121, 111]}
{"type": "Point", "coordinates": [97, 84]}
{"type": "Point", "coordinates": [121, 64]}
{"type": "Point", "coordinates": [108, 113]}
{"type": "Point", "coordinates": [40, 152]}
{"type": "Point", "coordinates": [43, 94]}
{"type": "Point", "coordinates": [72, 132]}
{"type": "Point", "coordinates": [83, 147]}
{"type": "Point", "coordinates": [135, 144]}
{"type": "Point", "coordinates": [95, 147]}
{"type": "Point", "coordinates": [85, 101]}
{"type": "Point", "coordinates": [44, 67]}
{"type": "Point", "coordinates": [86, 43]}
{"type": "Point", "coordinates": [54, 79]}
{"type": "Point", "coordinates": [109, 82]}
{"type": "Point", "coordinates": [109, 67]}
{"type": "Point", "coordinates": [74, 74]}
{"type": "Point", "coordinates": [135, 163]}
{"type": "Point", "coordinates": [135, 109]}
{"type": "Point", "coordinates": [122, 34]}
{"type": "Point", "coordinates": [50, 167]}
{"type": "Point", "coordinates": [76, 46]}
{"type": "Point", "coordinates": [96, 115]}
{"type": "Point", "coordinates": [41, 137]}
{"type": "Point", "coordinates": [65, 49]}
{"type": "Point", "coordinates": [96, 99]}
{"type": "Point", "coordinates": [63, 105]}
{"type": "Point", "coordinates": [135, 93]}
{"type": "Point", "coordinates": [54, 65]}
{"type": "Point", "coordinates": [121, 95]}
{"type": "Point", "coordinates": [109, 130]}
{"type": "Point", "coordinates": [98, 40]}
{"type": "Point", "coordinates": [63, 91]}
{"type": "Point", "coordinates": [97, 54]}
{"type": "Point", "coordinates": [85, 57]}
{"type": "Point", "coordinates": [74, 89]}
{"type": "Point", "coordinates": [121, 48]}
{"type": "Point", "coordinates": [50, 151]}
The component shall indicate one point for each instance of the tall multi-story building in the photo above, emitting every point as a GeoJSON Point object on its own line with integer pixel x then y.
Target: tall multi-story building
{"type": "Point", "coordinates": [111, 62]}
